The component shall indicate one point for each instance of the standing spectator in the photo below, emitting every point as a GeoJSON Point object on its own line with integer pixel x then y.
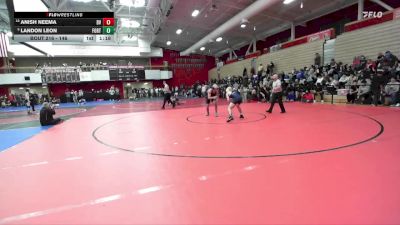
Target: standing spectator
{"type": "Point", "coordinates": [68, 95]}
{"type": "Point", "coordinates": [28, 103]}
{"type": "Point", "coordinates": [117, 94]}
{"type": "Point", "coordinates": [271, 68]}
{"type": "Point", "coordinates": [11, 99]}
{"type": "Point", "coordinates": [112, 93]}
{"type": "Point", "coordinates": [244, 73]}
{"type": "Point", "coordinates": [317, 60]}
{"type": "Point", "coordinates": [74, 96]}
{"type": "Point", "coordinates": [377, 86]}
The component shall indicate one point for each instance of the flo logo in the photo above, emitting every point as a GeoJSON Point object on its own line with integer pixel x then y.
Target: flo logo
{"type": "Point", "coordinates": [372, 14]}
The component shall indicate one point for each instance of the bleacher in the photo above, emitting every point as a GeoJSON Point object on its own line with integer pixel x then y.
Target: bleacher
{"type": "Point", "coordinates": [294, 57]}
{"type": "Point", "coordinates": [367, 37]}
{"type": "Point", "coordinates": [368, 41]}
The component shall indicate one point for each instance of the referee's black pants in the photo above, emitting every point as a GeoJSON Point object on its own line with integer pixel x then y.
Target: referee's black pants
{"type": "Point", "coordinates": [167, 98]}
{"type": "Point", "coordinates": [276, 97]}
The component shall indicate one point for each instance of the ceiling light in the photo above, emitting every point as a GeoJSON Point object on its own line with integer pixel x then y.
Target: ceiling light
{"type": "Point", "coordinates": [139, 3]}
{"type": "Point", "coordinates": [169, 42]}
{"type": "Point", "coordinates": [244, 23]}
{"type": "Point", "coordinates": [195, 13]}
{"type": "Point", "coordinates": [202, 48]}
{"type": "Point", "coordinates": [219, 39]}
{"type": "Point", "coordinates": [179, 31]}
{"type": "Point", "coordinates": [132, 3]}
{"type": "Point", "coordinates": [288, 1]}
{"type": "Point", "coordinates": [129, 23]}
{"type": "Point", "coordinates": [254, 28]}
{"type": "Point", "coordinates": [301, 5]}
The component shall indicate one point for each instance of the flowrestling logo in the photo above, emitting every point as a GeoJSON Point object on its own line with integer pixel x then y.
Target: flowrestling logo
{"type": "Point", "coordinates": [372, 14]}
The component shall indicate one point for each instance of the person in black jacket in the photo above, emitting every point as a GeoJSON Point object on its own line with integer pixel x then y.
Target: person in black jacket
{"type": "Point", "coordinates": [46, 115]}
{"type": "Point", "coordinates": [377, 83]}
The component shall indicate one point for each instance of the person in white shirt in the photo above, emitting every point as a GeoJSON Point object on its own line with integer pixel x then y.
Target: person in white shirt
{"type": "Point", "coordinates": [27, 101]}
{"type": "Point", "coordinates": [343, 80]}
{"type": "Point", "coordinates": [320, 80]}
{"type": "Point", "coordinates": [276, 94]}
{"type": "Point", "coordinates": [167, 95]}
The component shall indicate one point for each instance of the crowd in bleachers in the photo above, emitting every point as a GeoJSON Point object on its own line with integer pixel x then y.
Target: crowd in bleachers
{"type": "Point", "coordinates": [366, 81]}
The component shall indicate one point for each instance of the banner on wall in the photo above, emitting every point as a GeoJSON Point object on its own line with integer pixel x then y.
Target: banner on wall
{"type": "Point", "coordinates": [323, 35]}
{"type": "Point", "coordinates": [60, 75]}
{"type": "Point", "coordinates": [396, 13]}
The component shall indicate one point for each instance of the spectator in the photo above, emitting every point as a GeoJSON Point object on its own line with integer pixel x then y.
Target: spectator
{"type": "Point", "coordinates": [317, 59]}
{"type": "Point", "coordinates": [344, 79]}
{"type": "Point", "coordinates": [392, 91]}
{"type": "Point", "coordinates": [377, 86]}
{"type": "Point", "coordinates": [308, 97]}
{"type": "Point", "coordinates": [364, 92]}
{"type": "Point", "coordinates": [352, 95]}
{"type": "Point", "coordinates": [46, 115]}
{"type": "Point", "coordinates": [319, 92]}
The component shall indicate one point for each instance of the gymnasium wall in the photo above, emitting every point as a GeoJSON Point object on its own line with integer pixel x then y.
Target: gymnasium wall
{"type": "Point", "coordinates": [285, 60]}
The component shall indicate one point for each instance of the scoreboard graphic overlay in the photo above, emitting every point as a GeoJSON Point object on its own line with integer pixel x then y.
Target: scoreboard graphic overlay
{"type": "Point", "coordinates": [64, 26]}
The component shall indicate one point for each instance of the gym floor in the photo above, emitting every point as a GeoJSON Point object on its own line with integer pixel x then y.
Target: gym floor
{"type": "Point", "coordinates": [132, 163]}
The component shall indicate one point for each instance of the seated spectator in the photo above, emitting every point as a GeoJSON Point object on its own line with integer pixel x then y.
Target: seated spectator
{"type": "Point", "coordinates": [343, 80]}
{"type": "Point", "coordinates": [319, 92]}
{"type": "Point", "coordinates": [308, 97]}
{"type": "Point", "coordinates": [352, 95]}
{"type": "Point", "coordinates": [46, 115]}
{"type": "Point", "coordinates": [392, 90]}
{"type": "Point", "coordinates": [364, 92]}
{"type": "Point", "coordinates": [291, 96]}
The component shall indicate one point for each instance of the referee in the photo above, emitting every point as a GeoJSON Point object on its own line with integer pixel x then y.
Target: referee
{"type": "Point", "coordinates": [167, 96]}
{"type": "Point", "coordinates": [276, 94]}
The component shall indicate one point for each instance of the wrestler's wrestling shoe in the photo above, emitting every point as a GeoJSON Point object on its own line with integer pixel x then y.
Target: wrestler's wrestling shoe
{"type": "Point", "coordinates": [229, 119]}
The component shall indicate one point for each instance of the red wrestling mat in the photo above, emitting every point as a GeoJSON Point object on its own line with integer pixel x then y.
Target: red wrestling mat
{"type": "Point", "coordinates": [317, 164]}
